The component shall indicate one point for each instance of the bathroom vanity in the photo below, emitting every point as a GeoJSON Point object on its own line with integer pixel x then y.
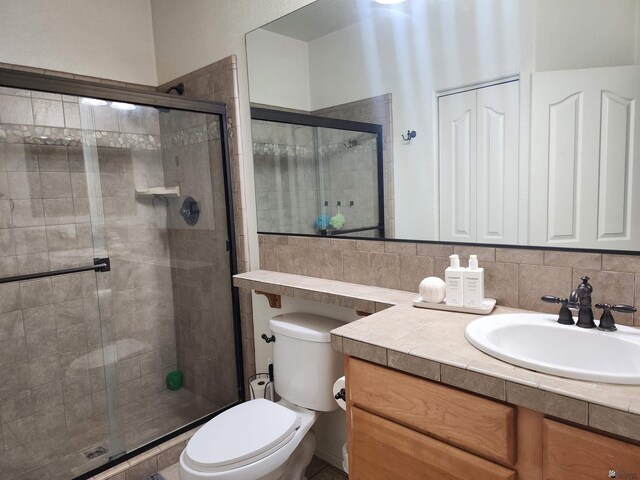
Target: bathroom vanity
{"type": "Point", "coordinates": [402, 423]}
{"type": "Point", "coordinates": [423, 403]}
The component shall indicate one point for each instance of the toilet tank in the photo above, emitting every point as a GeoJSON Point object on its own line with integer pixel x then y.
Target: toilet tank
{"type": "Point", "coordinates": [305, 366]}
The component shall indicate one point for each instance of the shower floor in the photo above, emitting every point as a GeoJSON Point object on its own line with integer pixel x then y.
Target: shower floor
{"type": "Point", "coordinates": [62, 459]}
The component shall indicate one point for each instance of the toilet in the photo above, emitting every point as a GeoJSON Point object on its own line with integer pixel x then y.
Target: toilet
{"type": "Point", "coordinates": [263, 440]}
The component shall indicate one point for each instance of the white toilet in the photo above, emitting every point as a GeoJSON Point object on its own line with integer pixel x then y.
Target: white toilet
{"type": "Point", "coordinates": [262, 440]}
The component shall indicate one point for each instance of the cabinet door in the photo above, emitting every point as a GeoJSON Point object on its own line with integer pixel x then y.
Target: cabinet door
{"type": "Point", "coordinates": [498, 110]}
{"type": "Point", "coordinates": [584, 158]}
{"type": "Point", "coordinates": [383, 450]}
{"type": "Point", "coordinates": [473, 423]}
{"type": "Point", "coordinates": [573, 453]}
{"type": "Point", "coordinates": [457, 145]}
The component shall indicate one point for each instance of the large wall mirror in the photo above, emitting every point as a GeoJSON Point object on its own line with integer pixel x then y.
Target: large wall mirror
{"type": "Point", "coordinates": [507, 122]}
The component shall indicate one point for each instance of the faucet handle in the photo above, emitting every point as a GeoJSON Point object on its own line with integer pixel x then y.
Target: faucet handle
{"type": "Point", "coordinates": [624, 308]}
{"type": "Point", "coordinates": [607, 322]}
{"type": "Point", "coordinates": [564, 317]}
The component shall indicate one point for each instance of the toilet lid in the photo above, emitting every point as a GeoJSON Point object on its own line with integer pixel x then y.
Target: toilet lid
{"type": "Point", "coordinates": [244, 433]}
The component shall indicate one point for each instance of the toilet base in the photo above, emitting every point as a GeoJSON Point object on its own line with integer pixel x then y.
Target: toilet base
{"type": "Point", "coordinates": [300, 458]}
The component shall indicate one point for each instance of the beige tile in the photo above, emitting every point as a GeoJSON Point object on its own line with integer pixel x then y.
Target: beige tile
{"type": "Point", "coordinates": [15, 110]}
{"type": "Point", "coordinates": [614, 421]}
{"type": "Point", "coordinates": [35, 293]}
{"type": "Point", "coordinates": [27, 213]}
{"type": "Point", "coordinates": [30, 240]}
{"type": "Point", "coordinates": [59, 211]}
{"type": "Point", "coordinates": [364, 351]}
{"type": "Point", "coordinates": [343, 244]}
{"type": "Point", "coordinates": [357, 267]}
{"type": "Point", "coordinates": [7, 245]}
{"type": "Point", "coordinates": [401, 248]}
{"type": "Point", "coordinates": [370, 246]}
{"type": "Point", "coordinates": [501, 283]}
{"type": "Point", "coordinates": [9, 298]}
{"type": "Point", "coordinates": [473, 382]}
{"type": "Point", "coordinates": [336, 342]}
{"type": "Point", "coordinates": [592, 261]}
{"type": "Point", "coordinates": [24, 185]}
{"type": "Point", "coordinates": [413, 269]}
{"type": "Point", "coordinates": [414, 365]}
{"type": "Point", "coordinates": [269, 256]}
{"type": "Point", "coordinates": [548, 403]}
{"type": "Point", "coordinates": [292, 259]}
{"type": "Point", "coordinates": [61, 237]}
{"type": "Point", "coordinates": [39, 319]}
{"type": "Point", "coordinates": [385, 270]}
{"type": "Point", "coordinates": [434, 250]}
{"type": "Point", "coordinates": [535, 281]}
{"type": "Point", "coordinates": [520, 255]}
{"type": "Point", "coordinates": [621, 263]}
{"type": "Point", "coordinates": [11, 325]}
{"type": "Point", "coordinates": [485, 254]}
{"type": "Point", "coordinates": [170, 456]}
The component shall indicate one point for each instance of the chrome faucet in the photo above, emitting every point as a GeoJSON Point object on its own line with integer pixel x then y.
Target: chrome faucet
{"type": "Point", "coordinates": [582, 297]}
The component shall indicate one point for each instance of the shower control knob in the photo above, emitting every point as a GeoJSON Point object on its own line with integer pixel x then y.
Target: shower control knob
{"type": "Point", "coordinates": [270, 339]}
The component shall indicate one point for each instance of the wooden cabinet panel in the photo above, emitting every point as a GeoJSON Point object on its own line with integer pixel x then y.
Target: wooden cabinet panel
{"type": "Point", "coordinates": [383, 450]}
{"type": "Point", "coordinates": [465, 420]}
{"type": "Point", "coordinates": [570, 452]}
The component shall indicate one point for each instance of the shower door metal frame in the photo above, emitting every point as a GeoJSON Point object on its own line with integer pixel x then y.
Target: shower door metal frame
{"type": "Point", "coordinates": [294, 118]}
{"type": "Point", "coordinates": [66, 86]}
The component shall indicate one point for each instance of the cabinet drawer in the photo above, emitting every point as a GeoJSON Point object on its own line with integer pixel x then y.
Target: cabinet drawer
{"type": "Point", "coordinates": [382, 450]}
{"type": "Point", "coordinates": [465, 420]}
{"type": "Point", "coordinates": [569, 452]}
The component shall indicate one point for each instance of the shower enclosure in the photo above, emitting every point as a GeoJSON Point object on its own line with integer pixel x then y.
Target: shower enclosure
{"type": "Point", "coordinates": [317, 175]}
{"type": "Point", "coordinates": [116, 257]}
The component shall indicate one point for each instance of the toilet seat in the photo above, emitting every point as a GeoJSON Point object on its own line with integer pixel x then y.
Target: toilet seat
{"type": "Point", "coordinates": [241, 435]}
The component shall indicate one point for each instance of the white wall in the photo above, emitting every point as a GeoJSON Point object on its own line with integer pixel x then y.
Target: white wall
{"type": "Point", "coordinates": [103, 38]}
{"type": "Point", "coordinates": [268, 85]}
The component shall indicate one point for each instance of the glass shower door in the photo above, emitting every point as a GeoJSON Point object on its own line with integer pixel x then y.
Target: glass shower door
{"type": "Point", "coordinates": [84, 354]}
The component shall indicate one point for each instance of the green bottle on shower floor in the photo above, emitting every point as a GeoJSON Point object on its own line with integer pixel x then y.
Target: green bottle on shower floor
{"type": "Point", "coordinates": [174, 380]}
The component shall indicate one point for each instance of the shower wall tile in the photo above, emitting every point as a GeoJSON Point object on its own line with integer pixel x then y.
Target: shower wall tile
{"type": "Point", "coordinates": [15, 110]}
{"type": "Point", "coordinates": [47, 112]}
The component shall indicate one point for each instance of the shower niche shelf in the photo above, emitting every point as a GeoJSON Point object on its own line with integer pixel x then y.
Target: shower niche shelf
{"type": "Point", "coordinates": [169, 192]}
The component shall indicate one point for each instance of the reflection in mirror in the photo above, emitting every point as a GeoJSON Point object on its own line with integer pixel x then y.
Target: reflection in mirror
{"type": "Point", "coordinates": [524, 111]}
{"type": "Point", "coordinates": [315, 175]}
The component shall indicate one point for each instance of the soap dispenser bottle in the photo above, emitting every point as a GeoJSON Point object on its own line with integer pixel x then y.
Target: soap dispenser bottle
{"type": "Point", "coordinates": [473, 284]}
{"type": "Point", "coordinates": [453, 278]}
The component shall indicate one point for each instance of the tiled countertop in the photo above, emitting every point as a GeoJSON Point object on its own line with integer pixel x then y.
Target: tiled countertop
{"type": "Point", "coordinates": [431, 344]}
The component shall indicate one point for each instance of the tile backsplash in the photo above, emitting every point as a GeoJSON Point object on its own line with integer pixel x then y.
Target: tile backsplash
{"type": "Point", "coordinates": [514, 277]}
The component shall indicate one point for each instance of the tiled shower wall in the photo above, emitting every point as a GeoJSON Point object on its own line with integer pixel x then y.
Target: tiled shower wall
{"type": "Point", "coordinates": [514, 277]}
{"type": "Point", "coordinates": [50, 330]}
{"type": "Point", "coordinates": [284, 166]}
{"type": "Point", "coordinates": [192, 159]}
{"type": "Point", "coordinates": [219, 82]}
{"type": "Point", "coordinates": [373, 110]}
{"type": "Point", "coordinates": [286, 177]}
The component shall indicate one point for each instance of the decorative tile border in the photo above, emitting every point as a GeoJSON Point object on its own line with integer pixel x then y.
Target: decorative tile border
{"type": "Point", "coordinates": [73, 137]}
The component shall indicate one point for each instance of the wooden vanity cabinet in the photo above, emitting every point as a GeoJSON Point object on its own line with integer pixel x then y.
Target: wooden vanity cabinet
{"type": "Point", "coordinates": [571, 452]}
{"type": "Point", "coordinates": [403, 427]}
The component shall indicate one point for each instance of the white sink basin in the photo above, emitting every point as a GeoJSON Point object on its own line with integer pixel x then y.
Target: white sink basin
{"type": "Point", "coordinates": [538, 342]}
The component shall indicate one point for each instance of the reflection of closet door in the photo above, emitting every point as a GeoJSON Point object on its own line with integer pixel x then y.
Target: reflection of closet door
{"type": "Point", "coordinates": [498, 110]}
{"type": "Point", "coordinates": [457, 142]}
{"type": "Point", "coordinates": [584, 159]}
